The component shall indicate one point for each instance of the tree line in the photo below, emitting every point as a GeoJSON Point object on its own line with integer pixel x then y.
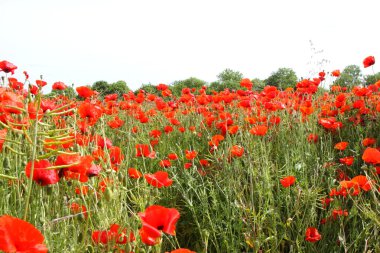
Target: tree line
{"type": "Point", "coordinates": [282, 78]}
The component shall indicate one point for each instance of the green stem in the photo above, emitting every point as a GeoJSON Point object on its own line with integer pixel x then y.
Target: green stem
{"type": "Point", "coordinates": [34, 151]}
{"type": "Point", "coordinates": [8, 177]}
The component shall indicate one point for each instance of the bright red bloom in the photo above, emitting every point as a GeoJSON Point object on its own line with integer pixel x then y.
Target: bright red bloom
{"type": "Point", "coordinates": [112, 235]}
{"type": "Point", "coordinates": [349, 160]}
{"type": "Point", "coordinates": [115, 123]}
{"type": "Point", "coordinates": [143, 150]}
{"type": "Point", "coordinates": [245, 82]}
{"type": "Point", "coordinates": [312, 235]}
{"type": "Point", "coordinates": [165, 163]}
{"type": "Point", "coordinates": [134, 173]}
{"type": "Point", "coordinates": [312, 138]}
{"type": "Point", "coordinates": [368, 141]}
{"type": "Point", "coordinates": [181, 250]}
{"type": "Point", "coordinates": [84, 91]}
{"type": "Point", "coordinates": [59, 86]}
{"type": "Point", "coordinates": [259, 130]}
{"type": "Point", "coordinates": [190, 155]}
{"type": "Point", "coordinates": [157, 218]}
{"type": "Point", "coordinates": [237, 151]}
{"type": "Point", "coordinates": [116, 156]}
{"type": "Point", "coordinates": [363, 182]}
{"type": "Point", "coordinates": [371, 155]}
{"type": "Point", "coordinates": [76, 209]}
{"type": "Point", "coordinates": [172, 156]}
{"type": "Point", "coordinates": [341, 145]}
{"type": "Point", "coordinates": [3, 135]}
{"type": "Point", "coordinates": [78, 166]}
{"type": "Point", "coordinates": [7, 67]}
{"type": "Point", "coordinates": [17, 235]}
{"type": "Point", "coordinates": [42, 175]}
{"type": "Point", "coordinates": [40, 83]}
{"type": "Point", "coordinates": [368, 61]}
{"type": "Point", "coordinates": [288, 181]}
{"type": "Point", "coordinates": [336, 73]}
{"type": "Point", "coordinates": [159, 179]}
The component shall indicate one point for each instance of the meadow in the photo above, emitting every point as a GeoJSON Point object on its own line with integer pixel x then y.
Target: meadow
{"type": "Point", "coordinates": [294, 170]}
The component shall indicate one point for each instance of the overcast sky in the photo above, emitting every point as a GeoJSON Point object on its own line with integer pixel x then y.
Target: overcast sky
{"type": "Point", "coordinates": [160, 41]}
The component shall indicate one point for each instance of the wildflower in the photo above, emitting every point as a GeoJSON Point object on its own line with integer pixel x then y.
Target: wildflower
{"type": "Point", "coordinates": [17, 235]}
{"type": "Point", "coordinates": [312, 235]}
{"type": "Point", "coordinates": [134, 173]}
{"type": "Point", "coordinates": [113, 235]}
{"type": "Point", "coordinates": [156, 219]}
{"type": "Point", "coordinates": [341, 145]}
{"type": "Point", "coordinates": [288, 181]}
{"type": "Point", "coordinates": [7, 67]}
{"type": "Point", "coordinates": [158, 179]}
{"type": "Point", "coordinates": [41, 174]}
{"type": "Point", "coordinates": [371, 155]}
{"type": "Point", "coordinates": [368, 61]}
{"type": "Point", "coordinates": [59, 86]}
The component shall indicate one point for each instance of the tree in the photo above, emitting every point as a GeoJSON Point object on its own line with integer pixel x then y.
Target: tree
{"type": "Point", "coordinates": [100, 86]}
{"type": "Point", "coordinates": [258, 84]}
{"type": "Point", "coordinates": [119, 87]}
{"type": "Point", "coordinates": [68, 92]}
{"type": "Point", "coordinates": [227, 79]}
{"type": "Point", "coordinates": [230, 75]}
{"type": "Point", "coordinates": [104, 88]}
{"type": "Point", "coordinates": [371, 79]}
{"type": "Point", "coordinates": [351, 76]}
{"type": "Point", "coordinates": [191, 82]}
{"type": "Point", "coordinates": [149, 88]}
{"type": "Point", "coordinates": [282, 78]}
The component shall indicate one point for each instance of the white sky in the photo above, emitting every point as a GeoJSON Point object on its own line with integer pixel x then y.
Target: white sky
{"type": "Point", "coordinates": [160, 41]}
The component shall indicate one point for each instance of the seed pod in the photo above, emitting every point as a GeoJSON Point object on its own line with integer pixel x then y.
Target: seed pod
{"type": "Point", "coordinates": [108, 194]}
{"type": "Point", "coordinates": [6, 164]}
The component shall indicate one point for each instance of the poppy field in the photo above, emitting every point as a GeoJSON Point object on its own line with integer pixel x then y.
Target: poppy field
{"type": "Point", "coordinates": [294, 170]}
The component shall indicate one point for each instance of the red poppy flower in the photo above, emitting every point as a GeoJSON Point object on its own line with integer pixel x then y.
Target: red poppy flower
{"type": "Point", "coordinates": [76, 209]}
{"type": "Point", "coordinates": [172, 156]}
{"type": "Point", "coordinates": [371, 155]}
{"type": "Point", "coordinates": [165, 163]}
{"type": "Point", "coordinates": [181, 250]}
{"type": "Point", "coordinates": [349, 160]}
{"type": "Point", "coordinates": [17, 235]}
{"type": "Point", "coordinates": [116, 156]}
{"type": "Point", "coordinates": [336, 73]}
{"type": "Point", "coordinates": [259, 130]}
{"type": "Point", "coordinates": [363, 182]}
{"type": "Point", "coordinates": [190, 155]}
{"type": "Point", "coordinates": [84, 91]}
{"type": "Point", "coordinates": [368, 61]}
{"type": "Point", "coordinates": [59, 86]}
{"type": "Point", "coordinates": [115, 123]}
{"type": "Point", "coordinates": [341, 145]}
{"type": "Point", "coordinates": [112, 235]}
{"type": "Point", "coordinates": [158, 179]}
{"type": "Point", "coordinates": [3, 135]}
{"type": "Point", "coordinates": [312, 138]}
{"type": "Point", "coordinates": [245, 82]}
{"type": "Point", "coordinates": [157, 218]}
{"type": "Point", "coordinates": [288, 181]}
{"type": "Point", "coordinates": [312, 235]}
{"type": "Point", "coordinates": [237, 151]}
{"type": "Point", "coordinates": [42, 175]}
{"type": "Point", "coordinates": [7, 67]}
{"type": "Point", "coordinates": [78, 166]}
{"type": "Point", "coordinates": [134, 173]}
{"type": "Point", "coordinates": [41, 83]}
{"type": "Point", "coordinates": [143, 150]}
{"type": "Point", "coordinates": [368, 141]}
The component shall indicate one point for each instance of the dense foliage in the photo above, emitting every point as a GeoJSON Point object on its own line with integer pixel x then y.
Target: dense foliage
{"type": "Point", "coordinates": [240, 170]}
